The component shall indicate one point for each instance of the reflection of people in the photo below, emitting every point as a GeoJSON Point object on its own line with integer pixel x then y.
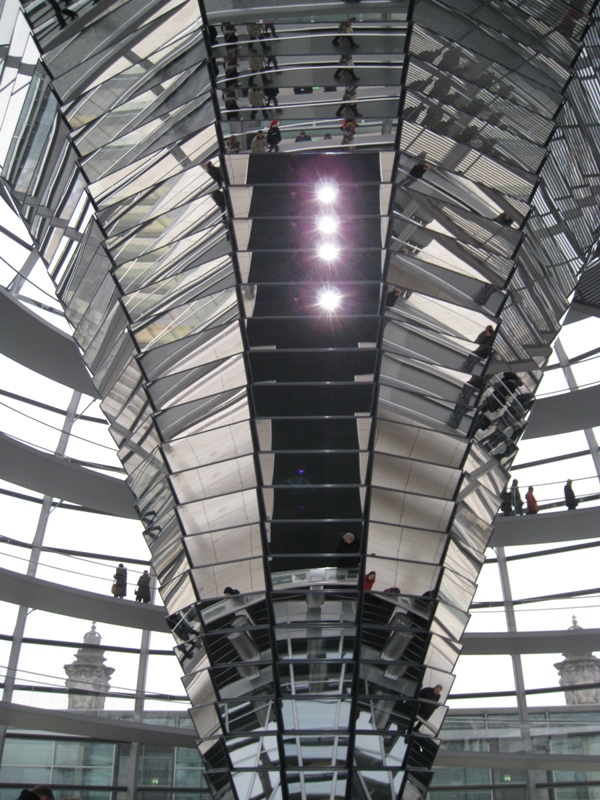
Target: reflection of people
{"type": "Point", "coordinates": [274, 136]}
{"type": "Point", "coordinates": [416, 173]}
{"type": "Point", "coordinates": [345, 31]}
{"type": "Point", "coordinates": [506, 505]}
{"type": "Point", "coordinates": [369, 580]}
{"type": "Point", "coordinates": [570, 499]}
{"type": "Point", "coordinates": [347, 66]}
{"type": "Point", "coordinates": [59, 12]}
{"type": "Point", "coordinates": [348, 546]}
{"type": "Point", "coordinates": [532, 506]}
{"type": "Point", "coordinates": [120, 584]}
{"type": "Point", "coordinates": [484, 340]}
{"type": "Point", "coordinates": [258, 100]}
{"type": "Point", "coordinates": [259, 143]}
{"type": "Point", "coordinates": [392, 296]}
{"type": "Point", "coordinates": [348, 129]}
{"type": "Point", "coordinates": [142, 593]}
{"type": "Point", "coordinates": [429, 697]}
{"type": "Point", "coordinates": [233, 144]}
{"type": "Point", "coordinates": [515, 496]}
{"type": "Point", "coordinates": [214, 172]}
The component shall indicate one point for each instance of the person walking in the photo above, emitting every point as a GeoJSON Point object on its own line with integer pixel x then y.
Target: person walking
{"type": "Point", "coordinates": [346, 65]}
{"type": "Point", "coordinates": [506, 505]}
{"type": "Point", "coordinates": [532, 506]}
{"type": "Point", "coordinates": [232, 109]}
{"type": "Point", "coordinates": [349, 105]}
{"type": "Point", "coordinates": [230, 38]}
{"type": "Point", "coordinates": [345, 31]}
{"type": "Point", "coordinates": [256, 31]}
{"type": "Point", "coordinates": [515, 496]}
{"type": "Point", "coordinates": [271, 93]}
{"type": "Point", "coordinates": [119, 588]}
{"type": "Point", "coordinates": [273, 136]}
{"type": "Point", "coordinates": [231, 71]}
{"type": "Point", "coordinates": [257, 99]}
{"type": "Point", "coordinates": [142, 593]}
{"type": "Point", "coordinates": [258, 65]}
{"type": "Point", "coordinates": [570, 500]}
{"type": "Point", "coordinates": [348, 129]}
{"type": "Point", "coordinates": [259, 144]}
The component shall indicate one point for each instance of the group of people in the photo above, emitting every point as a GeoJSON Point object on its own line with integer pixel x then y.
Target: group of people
{"type": "Point", "coordinates": [512, 503]}
{"type": "Point", "coordinates": [259, 65]}
{"type": "Point", "coordinates": [260, 98]}
{"type": "Point", "coordinates": [143, 592]}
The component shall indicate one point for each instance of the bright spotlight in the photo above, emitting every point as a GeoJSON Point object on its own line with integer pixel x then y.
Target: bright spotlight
{"type": "Point", "coordinates": [329, 299]}
{"type": "Point", "coordinates": [326, 192]}
{"type": "Point", "coordinates": [327, 224]}
{"type": "Point", "coordinates": [327, 251]}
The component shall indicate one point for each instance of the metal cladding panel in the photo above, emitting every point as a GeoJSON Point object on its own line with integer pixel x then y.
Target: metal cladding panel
{"type": "Point", "coordinates": [316, 398]}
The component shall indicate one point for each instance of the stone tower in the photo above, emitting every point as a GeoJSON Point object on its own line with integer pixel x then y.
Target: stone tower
{"type": "Point", "coordinates": [578, 668]}
{"type": "Point", "coordinates": [88, 674]}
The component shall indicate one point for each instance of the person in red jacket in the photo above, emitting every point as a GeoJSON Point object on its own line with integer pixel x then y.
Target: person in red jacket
{"type": "Point", "coordinates": [532, 506]}
{"type": "Point", "coordinates": [369, 580]}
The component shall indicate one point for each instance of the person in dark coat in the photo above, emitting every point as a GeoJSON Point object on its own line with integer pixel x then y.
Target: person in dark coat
{"type": "Point", "coordinates": [416, 173]}
{"type": "Point", "coordinates": [347, 66]}
{"type": "Point", "coordinates": [570, 500]}
{"type": "Point", "coordinates": [506, 505]}
{"type": "Point", "coordinates": [232, 109]}
{"type": "Point", "coordinates": [348, 546]}
{"type": "Point", "coordinates": [515, 496]}
{"type": "Point", "coordinates": [273, 136]}
{"type": "Point", "coordinates": [214, 172]}
{"type": "Point", "coordinates": [429, 697]}
{"type": "Point", "coordinates": [271, 93]}
{"type": "Point", "coordinates": [484, 340]}
{"type": "Point", "coordinates": [120, 585]}
{"type": "Point", "coordinates": [392, 296]}
{"type": "Point", "coordinates": [219, 199]}
{"type": "Point", "coordinates": [142, 593]}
